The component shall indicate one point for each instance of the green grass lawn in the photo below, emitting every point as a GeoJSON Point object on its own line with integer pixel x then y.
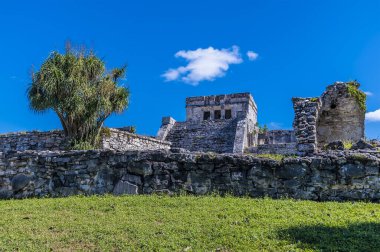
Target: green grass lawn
{"type": "Point", "coordinates": [187, 223]}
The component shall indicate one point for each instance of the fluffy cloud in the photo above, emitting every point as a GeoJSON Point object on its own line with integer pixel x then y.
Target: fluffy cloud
{"type": "Point", "coordinates": [373, 116]}
{"type": "Point", "coordinates": [368, 93]}
{"type": "Point", "coordinates": [252, 55]}
{"type": "Point", "coordinates": [203, 64]}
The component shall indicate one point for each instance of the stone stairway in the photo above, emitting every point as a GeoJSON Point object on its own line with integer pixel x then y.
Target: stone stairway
{"type": "Point", "coordinates": [215, 136]}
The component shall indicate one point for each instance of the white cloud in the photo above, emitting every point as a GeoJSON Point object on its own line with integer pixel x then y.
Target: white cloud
{"type": "Point", "coordinates": [368, 93]}
{"type": "Point", "coordinates": [203, 64]}
{"type": "Point", "coordinates": [373, 116]}
{"type": "Point", "coordinates": [252, 55]}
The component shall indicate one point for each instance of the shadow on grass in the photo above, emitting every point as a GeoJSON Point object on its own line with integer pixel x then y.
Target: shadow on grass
{"type": "Point", "coordinates": [354, 237]}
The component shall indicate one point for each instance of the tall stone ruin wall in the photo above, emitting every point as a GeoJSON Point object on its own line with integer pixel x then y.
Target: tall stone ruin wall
{"type": "Point", "coordinates": [333, 176]}
{"type": "Point", "coordinates": [337, 115]}
{"type": "Point", "coordinates": [340, 116]}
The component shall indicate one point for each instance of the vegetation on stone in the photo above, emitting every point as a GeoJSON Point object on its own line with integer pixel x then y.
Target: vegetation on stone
{"type": "Point", "coordinates": [360, 96]}
{"type": "Point", "coordinates": [187, 223]}
{"type": "Point", "coordinates": [277, 157]}
{"type": "Point", "coordinates": [79, 89]}
{"type": "Point", "coordinates": [347, 144]}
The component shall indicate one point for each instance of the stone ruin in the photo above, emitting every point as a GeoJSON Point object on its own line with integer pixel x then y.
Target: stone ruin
{"type": "Point", "coordinates": [228, 123]}
{"type": "Point", "coordinates": [337, 115]}
{"type": "Point", "coordinates": [217, 123]}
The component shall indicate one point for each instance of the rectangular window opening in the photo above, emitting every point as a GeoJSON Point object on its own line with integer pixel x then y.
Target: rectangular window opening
{"type": "Point", "coordinates": [228, 114]}
{"type": "Point", "coordinates": [217, 114]}
{"type": "Point", "coordinates": [206, 115]}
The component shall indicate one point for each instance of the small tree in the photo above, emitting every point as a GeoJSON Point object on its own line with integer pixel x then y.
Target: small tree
{"type": "Point", "coordinates": [77, 87]}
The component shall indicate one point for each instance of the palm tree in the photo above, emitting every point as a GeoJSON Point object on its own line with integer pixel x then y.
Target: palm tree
{"type": "Point", "coordinates": [77, 87]}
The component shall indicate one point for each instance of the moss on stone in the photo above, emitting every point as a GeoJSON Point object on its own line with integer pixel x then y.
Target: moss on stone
{"type": "Point", "coordinates": [360, 96]}
{"type": "Point", "coordinates": [314, 99]}
{"type": "Point", "coordinates": [347, 144]}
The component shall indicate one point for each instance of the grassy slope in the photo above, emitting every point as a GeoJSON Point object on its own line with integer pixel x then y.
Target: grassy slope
{"type": "Point", "coordinates": [187, 223]}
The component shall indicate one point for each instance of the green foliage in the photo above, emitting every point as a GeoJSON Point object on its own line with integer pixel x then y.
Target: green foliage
{"type": "Point", "coordinates": [262, 129]}
{"type": "Point", "coordinates": [77, 87]}
{"type": "Point", "coordinates": [314, 99]}
{"type": "Point", "coordinates": [360, 96]}
{"type": "Point", "coordinates": [347, 144]}
{"type": "Point", "coordinates": [132, 129]}
{"type": "Point", "coordinates": [187, 223]}
{"type": "Point", "coordinates": [277, 157]}
{"type": "Point", "coordinates": [82, 145]}
{"type": "Point", "coordinates": [359, 157]}
{"type": "Point", "coordinates": [106, 132]}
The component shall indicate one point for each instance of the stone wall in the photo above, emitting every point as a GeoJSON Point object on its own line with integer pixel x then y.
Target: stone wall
{"type": "Point", "coordinates": [115, 139]}
{"type": "Point", "coordinates": [33, 140]}
{"type": "Point", "coordinates": [280, 148]}
{"type": "Point", "coordinates": [123, 141]}
{"type": "Point", "coordinates": [332, 176]}
{"type": "Point", "coordinates": [276, 137]}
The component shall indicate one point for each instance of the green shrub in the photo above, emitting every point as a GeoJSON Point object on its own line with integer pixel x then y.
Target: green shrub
{"type": "Point", "coordinates": [82, 146]}
{"type": "Point", "coordinates": [105, 132]}
{"type": "Point", "coordinates": [347, 144]}
{"type": "Point", "coordinates": [277, 157]}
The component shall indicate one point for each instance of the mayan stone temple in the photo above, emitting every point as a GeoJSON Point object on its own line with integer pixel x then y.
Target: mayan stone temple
{"type": "Point", "coordinates": [217, 123]}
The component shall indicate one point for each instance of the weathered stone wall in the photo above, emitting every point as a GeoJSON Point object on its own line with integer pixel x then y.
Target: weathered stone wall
{"type": "Point", "coordinates": [123, 141]}
{"type": "Point", "coordinates": [33, 140]}
{"type": "Point", "coordinates": [55, 140]}
{"type": "Point", "coordinates": [280, 148]}
{"type": "Point", "coordinates": [333, 176]}
{"type": "Point", "coordinates": [277, 137]}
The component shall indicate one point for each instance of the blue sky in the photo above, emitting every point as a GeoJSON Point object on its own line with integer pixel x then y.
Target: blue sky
{"type": "Point", "coordinates": [302, 47]}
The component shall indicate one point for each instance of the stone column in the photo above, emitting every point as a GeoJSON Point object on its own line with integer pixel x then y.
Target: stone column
{"type": "Point", "coordinates": [305, 122]}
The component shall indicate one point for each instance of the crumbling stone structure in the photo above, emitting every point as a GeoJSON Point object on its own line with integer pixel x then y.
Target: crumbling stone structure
{"type": "Point", "coordinates": [217, 123]}
{"type": "Point", "coordinates": [338, 114]}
